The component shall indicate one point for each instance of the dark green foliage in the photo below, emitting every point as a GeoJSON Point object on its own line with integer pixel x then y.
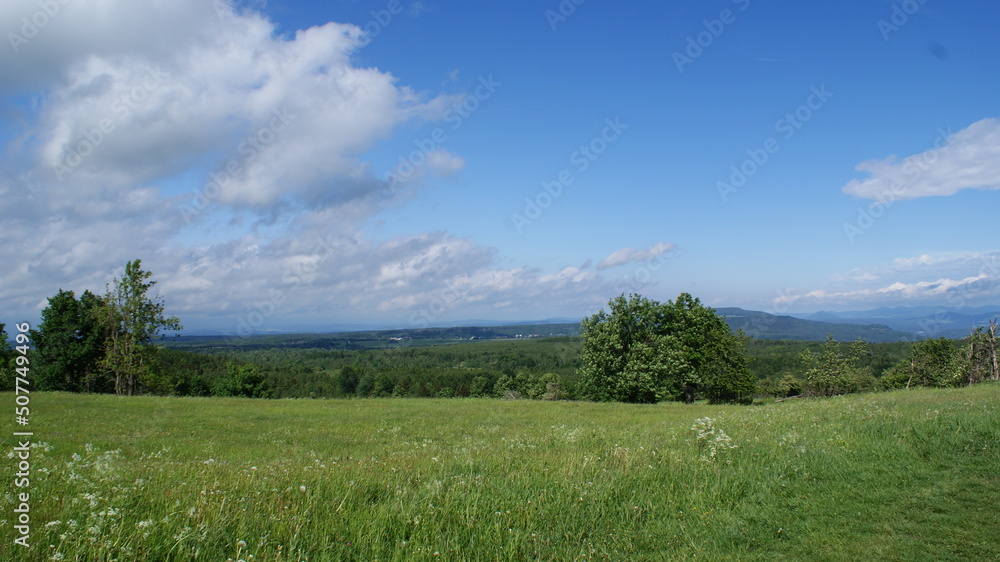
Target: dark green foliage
{"type": "Point", "coordinates": [644, 351]}
{"type": "Point", "coordinates": [242, 380]}
{"type": "Point", "coordinates": [481, 386]}
{"type": "Point", "coordinates": [191, 374]}
{"type": "Point", "coordinates": [347, 379]}
{"type": "Point", "coordinates": [471, 368]}
{"type": "Point", "coordinates": [7, 372]}
{"type": "Point", "coordinates": [68, 344]}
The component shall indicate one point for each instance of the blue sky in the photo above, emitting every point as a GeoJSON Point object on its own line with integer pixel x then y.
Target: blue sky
{"type": "Point", "coordinates": [284, 165]}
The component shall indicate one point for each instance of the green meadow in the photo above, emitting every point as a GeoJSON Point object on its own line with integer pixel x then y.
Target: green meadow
{"type": "Point", "coordinates": [906, 475]}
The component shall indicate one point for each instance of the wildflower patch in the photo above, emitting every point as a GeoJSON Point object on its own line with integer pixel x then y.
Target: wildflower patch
{"type": "Point", "coordinates": [711, 440]}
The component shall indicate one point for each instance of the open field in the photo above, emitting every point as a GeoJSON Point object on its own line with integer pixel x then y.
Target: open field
{"type": "Point", "coordinates": [889, 476]}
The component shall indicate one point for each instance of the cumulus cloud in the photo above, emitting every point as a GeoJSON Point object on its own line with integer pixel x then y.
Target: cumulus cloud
{"type": "Point", "coordinates": [630, 255]}
{"type": "Point", "coordinates": [968, 159]}
{"type": "Point", "coordinates": [274, 120]}
{"type": "Point", "coordinates": [230, 158]}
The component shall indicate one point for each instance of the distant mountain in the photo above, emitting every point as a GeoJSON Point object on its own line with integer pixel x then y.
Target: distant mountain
{"type": "Point", "coordinates": [924, 321]}
{"type": "Point", "coordinates": [755, 323]}
{"type": "Point", "coordinates": [772, 327]}
{"type": "Point", "coordinates": [374, 339]}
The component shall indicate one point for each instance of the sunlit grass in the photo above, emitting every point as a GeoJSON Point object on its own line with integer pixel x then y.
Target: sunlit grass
{"type": "Point", "coordinates": [894, 476]}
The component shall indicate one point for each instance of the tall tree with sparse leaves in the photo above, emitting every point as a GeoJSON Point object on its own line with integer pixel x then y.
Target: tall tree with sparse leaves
{"type": "Point", "coordinates": [981, 355]}
{"type": "Point", "coordinates": [831, 372]}
{"type": "Point", "coordinates": [132, 317]}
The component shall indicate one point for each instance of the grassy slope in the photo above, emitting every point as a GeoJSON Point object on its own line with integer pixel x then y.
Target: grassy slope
{"type": "Point", "coordinates": [894, 476]}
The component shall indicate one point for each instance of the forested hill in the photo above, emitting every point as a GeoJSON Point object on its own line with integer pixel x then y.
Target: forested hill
{"type": "Point", "coordinates": [376, 339]}
{"type": "Point", "coordinates": [772, 327]}
{"type": "Point", "coordinates": [756, 324]}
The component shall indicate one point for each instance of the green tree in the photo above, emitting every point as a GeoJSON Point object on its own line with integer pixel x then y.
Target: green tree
{"type": "Point", "coordinates": [554, 388]}
{"type": "Point", "coordinates": [644, 351]}
{"type": "Point", "coordinates": [933, 363]}
{"type": "Point", "coordinates": [480, 387]}
{"type": "Point", "coordinates": [981, 355]}
{"type": "Point", "coordinates": [242, 380]}
{"type": "Point", "coordinates": [6, 361]}
{"type": "Point", "coordinates": [132, 318]}
{"type": "Point", "coordinates": [831, 372]}
{"type": "Point", "coordinates": [347, 379]}
{"type": "Point", "coordinates": [790, 385]}
{"type": "Point", "coordinates": [69, 344]}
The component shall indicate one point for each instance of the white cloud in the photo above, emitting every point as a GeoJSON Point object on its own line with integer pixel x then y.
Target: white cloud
{"type": "Point", "coordinates": [968, 159]}
{"type": "Point", "coordinates": [277, 120]}
{"type": "Point", "coordinates": [951, 279]}
{"type": "Point", "coordinates": [159, 99]}
{"type": "Point", "coordinates": [442, 163]}
{"type": "Point", "coordinates": [630, 255]}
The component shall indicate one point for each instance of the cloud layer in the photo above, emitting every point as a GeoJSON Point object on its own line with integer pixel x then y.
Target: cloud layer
{"type": "Point", "coordinates": [968, 159]}
{"type": "Point", "coordinates": [957, 280]}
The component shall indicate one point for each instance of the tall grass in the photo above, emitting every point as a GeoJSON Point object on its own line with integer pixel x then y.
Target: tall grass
{"type": "Point", "coordinates": [892, 476]}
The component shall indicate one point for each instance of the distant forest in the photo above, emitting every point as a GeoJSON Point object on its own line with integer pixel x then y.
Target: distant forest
{"type": "Point", "coordinates": [530, 368]}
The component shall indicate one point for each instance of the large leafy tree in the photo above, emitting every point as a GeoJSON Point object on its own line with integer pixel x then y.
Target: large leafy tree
{"type": "Point", "coordinates": [132, 318]}
{"type": "Point", "coordinates": [645, 351]}
{"type": "Point", "coordinates": [69, 344]}
{"type": "Point", "coordinates": [717, 355]}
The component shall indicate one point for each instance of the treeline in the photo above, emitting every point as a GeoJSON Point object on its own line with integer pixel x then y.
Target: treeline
{"type": "Point", "coordinates": [641, 351]}
{"type": "Point", "coordinates": [837, 368]}
{"type": "Point", "coordinates": [542, 368]}
{"type": "Point", "coordinates": [537, 368]}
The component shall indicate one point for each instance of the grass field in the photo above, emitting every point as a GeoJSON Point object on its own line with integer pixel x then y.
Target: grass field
{"type": "Point", "coordinates": [891, 476]}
